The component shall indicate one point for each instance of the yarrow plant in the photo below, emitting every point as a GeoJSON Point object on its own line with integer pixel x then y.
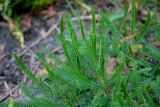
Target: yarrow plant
{"type": "Point", "coordinates": [108, 67]}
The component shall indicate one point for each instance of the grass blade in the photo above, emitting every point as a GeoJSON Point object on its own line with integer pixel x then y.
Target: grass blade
{"type": "Point", "coordinates": [83, 34]}
{"type": "Point", "coordinates": [93, 36]}
{"type": "Point", "coordinates": [148, 98]}
{"type": "Point", "coordinates": [134, 16]}
{"type": "Point", "coordinates": [24, 67]}
{"type": "Point", "coordinates": [124, 18]}
{"type": "Point", "coordinates": [64, 44]}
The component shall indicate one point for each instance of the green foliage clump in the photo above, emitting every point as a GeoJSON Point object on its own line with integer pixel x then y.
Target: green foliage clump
{"type": "Point", "coordinates": [82, 79]}
{"type": "Point", "coordinates": [31, 4]}
{"type": "Point", "coordinates": [3, 5]}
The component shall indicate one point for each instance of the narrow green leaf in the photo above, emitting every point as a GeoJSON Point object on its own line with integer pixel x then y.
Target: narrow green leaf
{"type": "Point", "coordinates": [72, 31]}
{"type": "Point", "coordinates": [116, 16]}
{"type": "Point", "coordinates": [93, 21]}
{"type": "Point", "coordinates": [148, 98]}
{"type": "Point", "coordinates": [53, 56]}
{"type": "Point", "coordinates": [99, 100]}
{"type": "Point", "coordinates": [64, 44]}
{"type": "Point", "coordinates": [134, 15]}
{"type": "Point", "coordinates": [74, 42]}
{"type": "Point", "coordinates": [83, 34]}
{"type": "Point", "coordinates": [118, 71]}
{"type": "Point", "coordinates": [110, 25]}
{"type": "Point", "coordinates": [27, 92]}
{"type": "Point", "coordinates": [124, 18]}
{"type": "Point", "coordinates": [70, 6]}
{"type": "Point", "coordinates": [25, 69]}
{"type": "Point", "coordinates": [116, 35]}
{"type": "Point", "coordinates": [93, 37]}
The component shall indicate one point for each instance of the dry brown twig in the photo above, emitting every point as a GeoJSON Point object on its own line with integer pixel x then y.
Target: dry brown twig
{"type": "Point", "coordinates": [45, 35]}
{"type": "Point", "coordinates": [129, 37]}
{"type": "Point", "coordinates": [9, 93]}
{"type": "Point", "coordinates": [87, 17]}
{"type": "Point", "coordinates": [8, 89]}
